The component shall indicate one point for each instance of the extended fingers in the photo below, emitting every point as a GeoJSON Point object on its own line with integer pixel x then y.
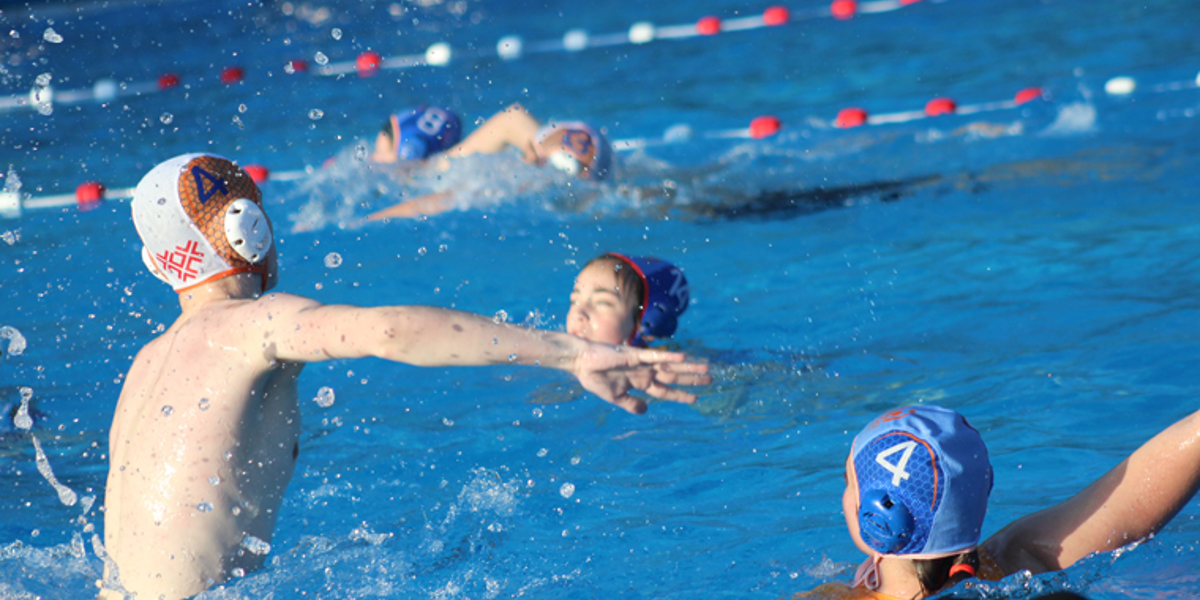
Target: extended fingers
{"type": "Point", "coordinates": [664, 392]}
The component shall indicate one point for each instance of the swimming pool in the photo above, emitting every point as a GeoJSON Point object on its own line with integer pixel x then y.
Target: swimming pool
{"type": "Point", "coordinates": [1034, 267]}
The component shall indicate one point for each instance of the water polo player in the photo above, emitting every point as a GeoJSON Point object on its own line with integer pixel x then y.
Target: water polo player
{"type": "Point", "coordinates": [417, 134]}
{"type": "Point", "coordinates": [206, 431]}
{"type": "Point", "coordinates": [619, 299]}
{"type": "Point", "coordinates": [917, 486]}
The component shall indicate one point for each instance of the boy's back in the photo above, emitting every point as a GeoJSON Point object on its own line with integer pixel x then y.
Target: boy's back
{"type": "Point", "coordinates": [203, 443]}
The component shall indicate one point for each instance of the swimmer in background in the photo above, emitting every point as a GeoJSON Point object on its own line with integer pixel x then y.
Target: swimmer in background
{"type": "Point", "coordinates": [632, 300]}
{"type": "Point", "coordinates": [569, 146]}
{"type": "Point", "coordinates": [416, 134]}
{"type": "Point", "coordinates": [206, 431]}
{"type": "Point", "coordinates": [917, 486]}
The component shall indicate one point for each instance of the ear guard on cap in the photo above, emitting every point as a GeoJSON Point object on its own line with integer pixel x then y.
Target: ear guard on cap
{"type": "Point", "coordinates": [566, 163]}
{"type": "Point", "coordinates": [247, 229]}
{"type": "Point", "coordinates": [884, 524]}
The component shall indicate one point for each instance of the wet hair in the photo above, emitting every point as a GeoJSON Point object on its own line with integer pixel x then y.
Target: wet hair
{"type": "Point", "coordinates": [387, 132]}
{"type": "Point", "coordinates": [628, 280]}
{"type": "Point", "coordinates": [935, 574]}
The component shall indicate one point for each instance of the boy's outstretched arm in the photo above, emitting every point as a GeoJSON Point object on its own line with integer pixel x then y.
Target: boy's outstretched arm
{"type": "Point", "coordinates": [1127, 504]}
{"type": "Point", "coordinates": [302, 330]}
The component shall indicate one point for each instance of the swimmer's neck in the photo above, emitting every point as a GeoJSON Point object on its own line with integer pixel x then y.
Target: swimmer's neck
{"type": "Point", "coordinates": [898, 578]}
{"type": "Point", "coordinates": [243, 286]}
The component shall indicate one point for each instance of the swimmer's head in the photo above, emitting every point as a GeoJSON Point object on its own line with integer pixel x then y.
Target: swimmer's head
{"type": "Point", "coordinates": [416, 134]}
{"type": "Point", "coordinates": [574, 148]}
{"type": "Point", "coordinates": [620, 299]}
{"type": "Point", "coordinates": [918, 481]}
{"type": "Point", "coordinates": [200, 218]}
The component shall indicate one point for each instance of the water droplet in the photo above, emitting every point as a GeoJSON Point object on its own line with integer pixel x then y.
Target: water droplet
{"type": "Point", "coordinates": [204, 507]}
{"type": "Point", "coordinates": [14, 34]}
{"type": "Point", "coordinates": [166, 118]}
{"type": "Point", "coordinates": [43, 80]}
{"type": "Point", "coordinates": [320, 59]}
{"type": "Point", "coordinates": [324, 397]}
{"type": "Point", "coordinates": [501, 316]}
{"type": "Point", "coordinates": [447, 422]}
{"type": "Point", "coordinates": [238, 121]}
{"type": "Point", "coordinates": [567, 490]}
{"type": "Point", "coordinates": [316, 114]}
{"type": "Point", "coordinates": [333, 260]}
{"type": "Point", "coordinates": [237, 510]}
{"type": "Point", "coordinates": [537, 412]}
{"type": "Point", "coordinates": [204, 404]}
{"type": "Point", "coordinates": [214, 480]}
{"type": "Point", "coordinates": [512, 358]}
{"type": "Point", "coordinates": [289, 69]}
{"type": "Point", "coordinates": [52, 36]}
{"type": "Point", "coordinates": [422, 251]}
{"type": "Point", "coordinates": [16, 341]}
{"type": "Point", "coordinates": [256, 545]}
{"type": "Point", "coordinates": [167, 410]}
{"type": "Point", "coordinates": [543, 452]}
{"type": "Point", "coordinates": [442, 248]}
{"type": "Point", "coordinates": [242, 108]}
{"type": "Point", "coordinates": [238, 572]}
{"type": "Point", "coordinates": [336, 33]}
{"type": "Point", "coordinates": [575, 460]}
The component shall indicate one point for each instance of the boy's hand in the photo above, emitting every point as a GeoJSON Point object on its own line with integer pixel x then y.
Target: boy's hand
{"type": "Point", "coordinates": [612, 371]}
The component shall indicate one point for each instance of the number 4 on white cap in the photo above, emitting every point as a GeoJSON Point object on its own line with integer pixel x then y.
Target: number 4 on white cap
{"type": "Point", "coordinates": [897, 469]}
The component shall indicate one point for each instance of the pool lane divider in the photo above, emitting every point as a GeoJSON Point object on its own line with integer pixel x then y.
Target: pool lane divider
{"type": "Point", "coordinates": [89, 194]}
{"type": "Point", "coordinates": [42, 97]}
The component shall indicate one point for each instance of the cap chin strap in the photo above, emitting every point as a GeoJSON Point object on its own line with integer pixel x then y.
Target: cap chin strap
{"type": "Point", "coordinates": [566, 163]}
{"type": "Point", "coordinates": [867, 575]}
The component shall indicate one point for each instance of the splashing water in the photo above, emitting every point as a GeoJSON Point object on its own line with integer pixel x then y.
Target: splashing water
{"type": "Point", "coordinates": [65, 494]}
{"type": "Point", "coordinates": [324, 397]}
{"type": "Point", "coordinates": [52, 36]}
{"type": "Point", "coordinates": [22, 420]}
{"type": "Point", "coordinates": [16, 341]}
{"type": "Point", "coordinates": [333, 260]}
{"type": "Point", "coordinates": [256, 546]}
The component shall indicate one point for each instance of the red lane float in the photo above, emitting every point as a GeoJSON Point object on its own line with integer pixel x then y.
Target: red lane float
{"type": "Point", "coordinates": [167, 81]}
{"type": "Point", "coordinates": [258, 173]}
{"type": "Point", "coordinates": [940, 106]}
{"type": "Point", "coordinates": [89, 194]}
{"type": "Point", "coordinates": [708, 26]}
{"type": "Point", "coordinates": [764, 126]}
{"type": "Point", "coordinates": [1027, 95]}
{"type": "Point", "coordinates": [367, 63]}
{"type": "Point", "coordinates": [843, 9]}
{"type": "Point", "coordinates": [851, 117]}
{"type": "Point", "coordinates": [776, 16]}
{"type": "Point", "coordinates": [297, 66]}
{"type": "Point", "coordinates": [232, 75]}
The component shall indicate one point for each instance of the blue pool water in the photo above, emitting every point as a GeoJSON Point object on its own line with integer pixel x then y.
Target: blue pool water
{"type": "Point", "coordinates": [1035, 268]}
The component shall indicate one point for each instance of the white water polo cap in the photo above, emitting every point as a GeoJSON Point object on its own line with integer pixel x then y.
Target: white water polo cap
{"type": "Point", "coordinates": [200, 218]}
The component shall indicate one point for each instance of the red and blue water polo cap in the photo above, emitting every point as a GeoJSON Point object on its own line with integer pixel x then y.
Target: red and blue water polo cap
{"type": "Point", "coordinates": [665, 296]}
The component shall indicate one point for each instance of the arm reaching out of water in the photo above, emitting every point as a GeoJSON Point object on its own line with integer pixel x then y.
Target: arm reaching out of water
{"type": "Point", "coordinates": [1127, 504]}
{"type": "Point", "coordinates": [513, 126]}
{"type": "Point", "coordinates": [430, 204]}
{"type": "Point", "coordinates": [296, 329]}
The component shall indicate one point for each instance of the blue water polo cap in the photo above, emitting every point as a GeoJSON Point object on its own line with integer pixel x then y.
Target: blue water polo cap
{"type": "Point", "coordinates": [665, 296]}
{"type": "Point", "coordinates": [923, 482]}
{"type": "Point", "coordinates": [425, 131]}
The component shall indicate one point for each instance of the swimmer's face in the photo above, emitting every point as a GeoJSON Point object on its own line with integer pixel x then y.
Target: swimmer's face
{"type": "Point", "coordinates": [569, 151]}
{"type": "Point", "coordinates": [600, 310]}
{"type": "Point", "coordinates": [850, 507]}
{"type": "Point", "coordinates": [385, 143]}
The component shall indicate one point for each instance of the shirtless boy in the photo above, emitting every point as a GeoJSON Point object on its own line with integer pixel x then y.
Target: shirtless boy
{"type": "Point", "coordinates": [205, 435]}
